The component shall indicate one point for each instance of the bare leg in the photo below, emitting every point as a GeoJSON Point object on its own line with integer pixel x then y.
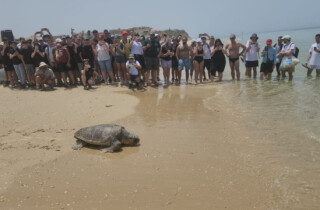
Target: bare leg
{"type": "Point", "coordinates": [261, 75]}
{"type": "Point", "coordinates": [318, 72]}
{"type": "Point", "coordinates": [196, 73]}
{"type": "Point", "coordinates": [254, 72]}
{"type": "Point", "coordinates": [269, 76]}
{"type": "Point", "coordinates": [237, 69]}
{"type": "Point", "coordinates": [220, 76]}
{"type": "Point", "coordinates": [71, 76]}
{"type": "Point", "coordinates": [187, 76]}
{"type": "Point", "coordinates": [232, 70]}
{"type": "Point", "coordinates": [309, 72]}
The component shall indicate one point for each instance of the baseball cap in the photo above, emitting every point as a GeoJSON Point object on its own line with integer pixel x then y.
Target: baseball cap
{"type": "Point", "coordinates": [63, 37]}
{"type": "Point", "coordinates": [105, 31]}
{"type": "Point", "coordinates": [269, 41]}
{"type": "Point", "coordinates": [58, 40]}
{"type": "Point", "coordinates": [86, 38]}
{"type": "Point", "coordinates": [131, 56]}
{"type": "Point", "coordinates": [94, 31]}
{"type": "Point", "coordinates": [287, 37]}
{"type": "Point", "coordinates": [124, 32]}
{"type": "Point", "coordinates": [254, 35]}
{"type": "Point", "coordinates": [199, 40]}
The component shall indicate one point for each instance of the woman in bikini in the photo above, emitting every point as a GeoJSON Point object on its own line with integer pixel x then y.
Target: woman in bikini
{"type": "Point", "coordinates": [198, 61]}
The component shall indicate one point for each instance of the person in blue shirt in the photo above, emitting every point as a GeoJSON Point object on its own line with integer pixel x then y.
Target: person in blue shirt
{"type": "Point", "coordinates": [269, 61]}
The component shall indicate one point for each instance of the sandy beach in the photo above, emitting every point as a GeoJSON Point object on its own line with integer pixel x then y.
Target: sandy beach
{"type": "Point", "coordinates": [200, 149]}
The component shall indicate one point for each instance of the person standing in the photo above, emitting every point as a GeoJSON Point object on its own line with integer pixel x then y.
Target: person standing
{"type": "Point", "coordinates": [73, 62]}
{"type": "Point", "coordinates": [198, 54]}
{"type": "Point", "coordinates": [102, 52]}
{"type": "Point", "coordinates": [137, 51]}
{"type": "Point", "coordinates": [166, 60]}
{"type": "Point", "coordinates": [287, 53]}
{"type": "Point", "coordinates": [278, 47]}
{"type": "Point", "coordinates": [7, 62]}
{"type": "Point", "coordinates": [63, 63]}
{"type": "Point", "coordinates": [232, 52]}
{"type": "Point", "coordinates": [151, 49]}
{"type": "Point", "coordinates": [269, 55]}
{"type": "Point", "coordinates": [218, 59]}
{"type": "Point", "coordinates": [253, 48]}
{"type": "Point", "coordinates": [27, 51]}
{"type": "Point", "coordinates": [183, 55]}
{"type": "Point", "coordinates": [207, 56]}
{"type": "Point", "coordinates": [120, 59]}
{"type": "Point", "coordinates": [18, 63]}
{"type": "Point", "coordinates": [313, 61]}
{"type": "Point", "coordinates": [175, 63]}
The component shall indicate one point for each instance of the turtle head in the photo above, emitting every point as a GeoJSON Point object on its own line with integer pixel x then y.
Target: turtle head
{"type": "Point", "coordinates": [129, 139]}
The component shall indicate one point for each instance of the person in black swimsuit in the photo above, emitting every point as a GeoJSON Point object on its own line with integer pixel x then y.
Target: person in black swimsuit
{"type": "Point", "coordinates": [175, 62]}
{"type": "Point", "coordinates": [218, 59]}
{"type": "Point", "coordinates": [198, 61]}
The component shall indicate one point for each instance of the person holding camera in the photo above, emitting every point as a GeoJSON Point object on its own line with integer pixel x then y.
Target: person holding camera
{"type": "Point", "coordinates": [269, 55]}
{"type": "Point", "coordinates": [133, 71]}
{"type": "Point", "coordinates": [44, 75]}
{"type": "Point", "coordinates": [88, 74]}
{"type": "Point", "coordinates": [63, 63]}
{"type": "Point", "coordinates": [253, 48]}
{"type": "Point", "coordinates": [166, 60]}
{"type": "Point", "coordinates": [313, 60]}
{"type": "Point", "coordinates": [7, 62]}
{"type": "Point", "coordinates": [26, 52]}
{"type": "Point", "coordinates": [18, 63]}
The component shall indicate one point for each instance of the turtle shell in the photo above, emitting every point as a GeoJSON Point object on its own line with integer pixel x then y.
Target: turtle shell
{"type": "Point", "coordinates": [99, 134]}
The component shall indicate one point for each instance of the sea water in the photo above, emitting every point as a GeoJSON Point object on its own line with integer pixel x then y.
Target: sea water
{"type": "Point", "coordinates": [296, 102]}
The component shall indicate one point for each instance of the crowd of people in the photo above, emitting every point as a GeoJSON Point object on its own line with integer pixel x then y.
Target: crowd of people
{"type": "Point", "coordinates": [130, 58]}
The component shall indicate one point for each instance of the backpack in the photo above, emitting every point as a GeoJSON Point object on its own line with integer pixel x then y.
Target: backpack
{"type": "Point", "coordinates": [296, 52]}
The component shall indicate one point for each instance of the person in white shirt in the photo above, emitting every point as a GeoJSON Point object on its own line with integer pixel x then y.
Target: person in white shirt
{"type": "Point", "coordinates": [133, 71]}
{"type": "Point", "coordinates": [313, 61]}
{"type": "Point", "coordinates": [253, 48]}
{"type": "Point", "coordinates": [287, 52]}
{"type": "Point", "coordinates": [137, 51]}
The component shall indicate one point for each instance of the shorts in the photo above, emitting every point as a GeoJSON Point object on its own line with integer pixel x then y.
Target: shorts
{"type": "Point", "coordinates": [62, 67]}
{"type": "Point", "coordinates": [8, 67]}
{"type": "Point", "coordinates": [105, 65]}
{"type": "Point", "coordinates": [80, 66]}
{"type": "Point", "coordinates": [73, 66]}
{"type": "Point", "coordinates": [266, 68]}
{"type": "Point", "coordinates": [175, 63]}
{"type": "Point", "coordinates": [252, 64]}
{"type": "Point", "coordinates": [184, 63]}
{"type": "Point", "coordinates": [120, 59]}
{"type": "Point", "coordinates": [133, 78]}
{"type": "Point", "coordinates": [152, 63]}
{"type": "Point", "coordinates": [207, 64]}
{"type": "Point", "coordinates": [30, 68]}
{"type": "Point", "coordinates": [317, 67]}
{"type": "Point", "coordinates": [166, 64]}
{"type": "Point", "coordinates": [140, 59]}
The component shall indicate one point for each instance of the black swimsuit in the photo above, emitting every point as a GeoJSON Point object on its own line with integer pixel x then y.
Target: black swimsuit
{"type": "Point", "coordinates": [199, 59]}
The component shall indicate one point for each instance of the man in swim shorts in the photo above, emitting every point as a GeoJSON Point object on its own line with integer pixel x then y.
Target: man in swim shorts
{"type": "Point", "coordinates": [183, 56]}
{"type": "Point", "coordinates": [232, 50]}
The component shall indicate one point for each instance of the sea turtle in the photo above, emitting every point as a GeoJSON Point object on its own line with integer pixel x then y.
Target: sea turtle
{"type": "Point", "coordinates": [109, 136]}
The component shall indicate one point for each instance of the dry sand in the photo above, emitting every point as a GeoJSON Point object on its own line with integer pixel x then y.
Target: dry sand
{"type": "Point", "coordinates": [192, 156]}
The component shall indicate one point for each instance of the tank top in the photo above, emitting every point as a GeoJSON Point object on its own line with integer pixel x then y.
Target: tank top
{"type": "Point", "coordinates": [102, 54]}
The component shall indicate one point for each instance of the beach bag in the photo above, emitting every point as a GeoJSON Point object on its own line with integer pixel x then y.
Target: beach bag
{"type": "Point", "coordinates": [296, 52]}
{"type": "Point", "coordinates": [288, 63]}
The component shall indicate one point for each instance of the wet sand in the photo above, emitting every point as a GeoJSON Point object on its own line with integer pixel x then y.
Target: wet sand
{"type": "Point", "coordinates": [200, 149]}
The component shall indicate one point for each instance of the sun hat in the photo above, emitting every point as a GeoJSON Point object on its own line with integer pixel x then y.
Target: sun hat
{"type": "Point", "coordinates": [131, 56]}
{"type": "Point", "coordinates": [287, 37]}
{"type": "Point", "coordinates": [269, 41]}
{"type": "Point", "coordinates": [43, 64]}
{"type": "Point", "coordinates": [58, 40]}
{"type": "Point", "coordinates": [199, 40]}
{"type": "Point", "coordinates": [254, 35]}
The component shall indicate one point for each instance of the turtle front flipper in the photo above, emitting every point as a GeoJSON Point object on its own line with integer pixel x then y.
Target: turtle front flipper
{"type": "Point", "coordinates": [79, 144]}
{"type": "Point", "coordinates": [114, 147]}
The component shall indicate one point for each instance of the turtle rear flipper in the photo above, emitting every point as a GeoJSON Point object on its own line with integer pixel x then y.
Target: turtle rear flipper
{"type": "Point", "coordinates": [114, 147]}
{"type": "Point", "coordinates": [79, 144]}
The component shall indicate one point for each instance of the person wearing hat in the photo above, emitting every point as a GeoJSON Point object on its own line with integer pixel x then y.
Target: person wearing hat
{"type": "Point", "coordinates": [198, 53]}
{"type": "Point", "coordinates": [313, 60]}
{"type": "Point", "coordinates": [151, 49]}
{"type": "Point", "coordinates": [133, 71]}
{"type": "Point", "coordinates": [44, 75]}
{"type": "Point", "coordinates": [18, 63]}
{"type": "Point", "coordinates": [269, 61]}
{"type": "Point", "coordinates": [287, 52]}
{"type": "Point", "coordinates": [166, 60]}
{"type": "Point", "coordinates": [207, 55]}
{"type": "Point", "coordinates": [7, 62]}
{"type": "Point", "coordinates": [251, 58]}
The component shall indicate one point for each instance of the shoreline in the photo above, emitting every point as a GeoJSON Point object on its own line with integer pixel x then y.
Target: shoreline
{"type": "Point", "coordinates": [191, 156]}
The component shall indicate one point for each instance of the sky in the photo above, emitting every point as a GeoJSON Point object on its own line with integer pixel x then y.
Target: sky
{"type": "Point", "coordinates": [215, 17]}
